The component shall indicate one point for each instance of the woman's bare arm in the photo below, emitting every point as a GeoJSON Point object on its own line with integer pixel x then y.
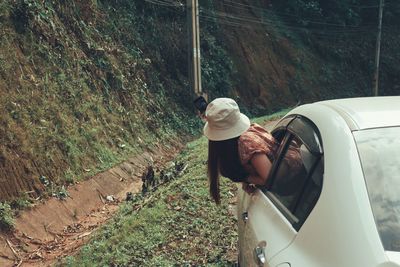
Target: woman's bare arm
{"type": "Point", "coordinates": [262, 166]}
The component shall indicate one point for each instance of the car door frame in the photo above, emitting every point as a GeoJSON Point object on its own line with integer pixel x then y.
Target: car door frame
{"type": "Point", "coordinates": [263, 200]}
{"type": "Point", "coordinates": [292, 126]}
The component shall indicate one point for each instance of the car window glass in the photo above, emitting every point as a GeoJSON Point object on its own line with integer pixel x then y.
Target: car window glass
{"type": "Point", "coordinates": [296, 177]}
{"type": "Point", "coordinates": [309, 196]}
{"type": "Point", "coordinates": [302, 128]}
{"type": "Point", "coordinates": [284, 122]}
{"type": "Point", "coordinates": [297, 182]}
{"type": "Point", "coordinates": [379, 151]}
{"type": "Point", "coordinates": [279, 135]}
{"type": "Point", "coordinates": [291, 174]}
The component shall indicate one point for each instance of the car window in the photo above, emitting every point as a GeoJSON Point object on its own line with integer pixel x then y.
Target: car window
{"type": "Point", "coordinates": [379, 151]}
{"type": "Point", "coordinates": [296, 182]}
{"type": "Point", "coordinates": [290, 175]}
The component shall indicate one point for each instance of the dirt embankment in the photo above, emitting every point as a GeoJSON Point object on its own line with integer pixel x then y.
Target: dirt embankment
{"type": "Point", "coordinates": [79, 92]}
{"type": "Point", "coordinates": [57, 228]}
{"type": "Point", "coordinates": [54, 229]}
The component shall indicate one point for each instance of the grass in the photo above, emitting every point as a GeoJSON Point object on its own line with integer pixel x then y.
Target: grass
{"type": "Point", "coordinates": [270, 117]}
{"type": "Point", "coordinates": [177, 224]}
{"type": "Point", "coordinates": [78, 108]}
{"type": "Point", "coordinates": [6, 217]}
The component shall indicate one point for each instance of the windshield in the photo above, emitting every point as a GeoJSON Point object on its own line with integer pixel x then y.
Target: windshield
{"type": "Point", "coordinates": [379, 151]}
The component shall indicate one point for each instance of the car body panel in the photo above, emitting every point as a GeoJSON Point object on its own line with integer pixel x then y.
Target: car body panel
{"type": "Point", "coordinates": [367, 114]}
{"type": "Point", "coordinates": [257, 226]}
{"type": "Point", "coordinates": [340, 230]}
{"type": "Point", "coordinates": [336, 247]}
{"type": "Point", "coordinates": [394, 257]}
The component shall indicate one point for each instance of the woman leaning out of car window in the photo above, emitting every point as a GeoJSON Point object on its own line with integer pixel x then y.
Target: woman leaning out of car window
{"type": "Point", "coordinates": [237, 149]}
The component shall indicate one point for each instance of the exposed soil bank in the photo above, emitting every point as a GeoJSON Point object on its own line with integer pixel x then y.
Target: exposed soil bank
{"type": "Point", "coordinates": [57, 228]}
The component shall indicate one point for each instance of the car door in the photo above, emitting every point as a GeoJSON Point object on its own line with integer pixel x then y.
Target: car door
{"type": "Point", "coordinates": [270, 218]}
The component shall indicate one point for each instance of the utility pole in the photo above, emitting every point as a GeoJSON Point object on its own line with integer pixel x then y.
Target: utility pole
{"type": "Point", "coordinates": [378, 51]}
{"type": "Point", "coordinates": [194, 46]}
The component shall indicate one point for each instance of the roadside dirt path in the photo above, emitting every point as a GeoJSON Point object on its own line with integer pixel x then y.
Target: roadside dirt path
{"type": "Point", "coordinates": [57, 228]}
{"type": "Point", "coordinates": [54, 229]}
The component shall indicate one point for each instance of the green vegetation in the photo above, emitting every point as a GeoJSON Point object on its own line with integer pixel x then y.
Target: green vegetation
{"type": "Point", "coordinates": [325, 14]}
{"type": "Point", "coordinates": [342, 36]}
{"type": "Point", "coordinates": [85, 90]}
{"type": "Point", "coordinates": [86, 84]}
{"type": "Point", "coordinates": [176, 225]}
{"type": "Point", "coordinates": [8, 211]}
{"type": "Point", "coordinates": [6, 217]}
{"type": "Point", "coordinates": [21, 203]}
{"type": "Point", "coordinates": [271, 117]}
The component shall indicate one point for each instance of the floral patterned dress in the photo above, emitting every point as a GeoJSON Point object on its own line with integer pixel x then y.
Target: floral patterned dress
{"type": "Point", "coordinates": [258, 140]}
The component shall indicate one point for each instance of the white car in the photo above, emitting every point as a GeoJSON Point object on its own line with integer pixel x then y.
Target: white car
{"type": "Point", "coordinates": [333, 197]}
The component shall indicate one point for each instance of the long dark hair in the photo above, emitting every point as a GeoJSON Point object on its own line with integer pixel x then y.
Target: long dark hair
{"type": "Point", "coordinates": [223, 158]}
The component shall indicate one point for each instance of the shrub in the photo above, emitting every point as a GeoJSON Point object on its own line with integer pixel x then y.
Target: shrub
{"type": "Point", "coordinates": [6, 217]}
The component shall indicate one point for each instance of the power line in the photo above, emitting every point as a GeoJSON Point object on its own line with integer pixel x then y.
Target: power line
{"type": "Point", "coordinates": [283, 15]}
{"type": "Point", "coordinates": [267, 11]}
{"type": "Point", "coordinates": [241, 6]}
{"type": "Point", "coordinates": [387, 4]}
{"type": "Point", "coordinates": [240, 19]}
{"type": "Point", "coordinates": [228, 19]}
{"type": "Point", "coordinates": [355, 36]}
{"type": "Point", "coordinates": [325, 34]}
{"type": "Point", "coordinates": [170, 3]}
{"type": "Point", "coordinates": [233, 3]}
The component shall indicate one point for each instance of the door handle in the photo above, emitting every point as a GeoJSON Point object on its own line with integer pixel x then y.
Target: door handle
{"type": "Point", "coordinates": [259, 253]}
{"type": "Point", "coordinates": [245, 216]}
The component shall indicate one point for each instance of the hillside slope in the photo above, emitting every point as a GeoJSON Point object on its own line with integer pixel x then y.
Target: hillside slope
{"type": "Point", "coordinates": [283, 56]}
{"type": "Point", "coordinates": [80, 91]}
{"type": "Point", "coordinates": [85, 84]}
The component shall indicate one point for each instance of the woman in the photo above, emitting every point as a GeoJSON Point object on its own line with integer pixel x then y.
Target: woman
{"type": "Point", "coordinates": [238, 150]}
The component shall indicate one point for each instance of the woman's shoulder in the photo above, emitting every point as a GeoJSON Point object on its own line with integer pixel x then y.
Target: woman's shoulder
{"type": "Point", "coordinates": [257, 127]}
{"type": "Point", "coordinates": [256, 140]}
{"type": "Point", "coordinates": [255, 131]}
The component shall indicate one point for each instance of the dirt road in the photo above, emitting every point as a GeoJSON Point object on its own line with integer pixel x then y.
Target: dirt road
{"type": "Point", "coordinates": [57, 228]}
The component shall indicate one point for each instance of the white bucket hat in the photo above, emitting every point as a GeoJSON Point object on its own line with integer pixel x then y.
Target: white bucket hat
{"type": "Point", "coordinates": [224, 120]}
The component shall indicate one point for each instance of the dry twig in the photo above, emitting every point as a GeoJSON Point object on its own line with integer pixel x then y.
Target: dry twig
{"type": "Point", "coordinates": [12, 249]}
{"type": "Point", "coordinates": [101, 196]}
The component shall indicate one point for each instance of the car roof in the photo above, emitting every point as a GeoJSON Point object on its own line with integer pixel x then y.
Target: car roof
{"type": "Point", "coordinates": [367, 112]}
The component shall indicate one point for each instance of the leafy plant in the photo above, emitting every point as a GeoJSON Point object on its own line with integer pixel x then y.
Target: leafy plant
{"type": "Point", "coordinates": [160, 229]}
{"type": "Point", "coordinates": [6, 217]}
{"type": "Point", "coordinates": [61, 193]}
{"type": "Point", "coordinates": [21, 203]}
{"type": "Point", "coordinates": [5, 7]}
{"type": "Point", "coordinates": [174, 223]}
